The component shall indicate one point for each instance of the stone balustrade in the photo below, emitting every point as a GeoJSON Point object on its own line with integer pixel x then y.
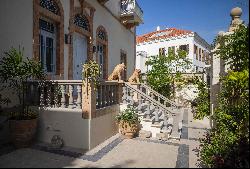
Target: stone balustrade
{"type": "Point", "coordinates": [107, 94]}
{"type": "Point", "coordinates": [74, 94]}
{"type": "Point", "coordinates": [55, 94]}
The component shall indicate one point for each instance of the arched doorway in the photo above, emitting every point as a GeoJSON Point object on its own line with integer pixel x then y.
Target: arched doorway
{"type": "Point", "coordinates": [102, 51]}
{"type": "Point", "coordinates": [80, 44]}
{"type": "Point", "coordinates": [81, 33]}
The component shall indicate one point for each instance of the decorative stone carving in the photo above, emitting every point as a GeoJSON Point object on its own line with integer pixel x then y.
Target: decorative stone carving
{"type": "Point", "coordinates": [116, 75]}
{"type": "Point", "coordinates": [135, 78]}
{"type": "Point", "coordinates": [56, 142]}
{"type": "Point", "coordinates": [236, 21]}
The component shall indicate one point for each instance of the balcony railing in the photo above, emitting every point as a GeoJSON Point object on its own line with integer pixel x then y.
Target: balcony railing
{"type": "Point", "coordinates": [131, 8]}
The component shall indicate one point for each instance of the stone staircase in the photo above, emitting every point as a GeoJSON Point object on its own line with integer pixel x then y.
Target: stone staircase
{"type": "Point", "coordinates": [160, 117]}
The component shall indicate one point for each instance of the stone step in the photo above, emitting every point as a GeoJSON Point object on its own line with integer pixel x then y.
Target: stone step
{"type": "Point", "coordinates": [145, 134]}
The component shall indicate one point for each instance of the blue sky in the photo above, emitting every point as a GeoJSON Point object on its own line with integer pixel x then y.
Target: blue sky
{"type": "Point", "coordinates": [206, 17]}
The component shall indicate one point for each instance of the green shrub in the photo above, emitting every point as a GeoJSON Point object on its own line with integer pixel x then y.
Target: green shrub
{"type": "Point", "coordinates": [128, 115]}
{"type": "Point", "coordinates": [227, 144]}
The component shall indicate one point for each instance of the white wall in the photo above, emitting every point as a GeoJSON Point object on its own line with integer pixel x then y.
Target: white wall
{"type": "Point", "coordinates": [16, 20]}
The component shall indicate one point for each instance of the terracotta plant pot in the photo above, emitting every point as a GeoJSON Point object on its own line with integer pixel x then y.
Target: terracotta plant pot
{"type": "Point", "coordinates": [128, 130]}
{"type": "Point", "coordinates": [22, 132]}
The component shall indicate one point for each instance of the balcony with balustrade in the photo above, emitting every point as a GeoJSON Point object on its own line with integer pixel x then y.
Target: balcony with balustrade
{"type": "Point", "coordinates": [131, 13]}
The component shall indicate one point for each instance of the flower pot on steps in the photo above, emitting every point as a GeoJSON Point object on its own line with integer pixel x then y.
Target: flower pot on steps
{"type": "Point", "coordinates": [22, 132]}
{"type": "Point", "coordinates": [128, 130]}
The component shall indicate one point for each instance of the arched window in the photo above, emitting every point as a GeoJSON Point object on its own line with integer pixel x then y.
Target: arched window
{"type": "Point", "coordinates": [102, 35]}
{"type": "Point", "coordinates": [82, 21]}
{"type": "Point", "coordinates": [102, 50]}
{"type": "Point", "coordinates": [50, 5]}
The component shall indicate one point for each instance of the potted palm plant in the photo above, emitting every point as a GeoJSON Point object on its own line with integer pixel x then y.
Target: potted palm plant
{"type": "Point", "coordinates": [128, 122]}
{"type": "Point", "coordinates": [15, 71]}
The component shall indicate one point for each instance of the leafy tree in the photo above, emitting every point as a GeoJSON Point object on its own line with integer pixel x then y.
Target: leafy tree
{"type": "Point", "coordinates": [227, 145]}
{"type": "Point", "coordinates": [161, 77]}
{"type": "Point", "coordinates": [202, 101]}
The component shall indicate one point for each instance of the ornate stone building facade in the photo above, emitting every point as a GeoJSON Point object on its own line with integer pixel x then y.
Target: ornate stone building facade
{"type": "Point", "coordinates": [63, 34]}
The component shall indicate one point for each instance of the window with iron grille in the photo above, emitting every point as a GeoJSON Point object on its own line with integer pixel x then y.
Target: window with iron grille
{"type": "Point", "coordinates": [50, 5]}
{"type": "Point", "coordinates": [82, 21]}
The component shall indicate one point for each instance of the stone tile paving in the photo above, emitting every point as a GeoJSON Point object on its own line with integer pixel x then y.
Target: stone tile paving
{"type": "Point", "coordinates": [117, 152]}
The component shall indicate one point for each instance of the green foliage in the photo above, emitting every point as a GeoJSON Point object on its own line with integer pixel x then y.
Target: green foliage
{"type": "Point", "coordinates": [161, 77]}
{"type": "Point", "coordinates": [16, 69]}
{"type": "Point", "coordinates": [202, 101]}
{"type": "Point", "coordinates": [233, 48]}
{"type": "Point", "coordinates": [128, 115]}
{"type": "Point", "coordinates": [91, 71]}
{"type": "Point", "coordinates": [227, 145]}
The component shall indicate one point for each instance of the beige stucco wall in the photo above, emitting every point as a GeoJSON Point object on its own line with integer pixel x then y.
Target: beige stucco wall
{"type": "Point", "coordinates": [66, 123]}
{"type": "Point", "coordinates": [76, 131]}
{"type": "Point", "coordinates": [114, 6]}
{"type": "Point", "coordinates": [104, 126]}
{"type": "Point", "coordinates": [16, 20]}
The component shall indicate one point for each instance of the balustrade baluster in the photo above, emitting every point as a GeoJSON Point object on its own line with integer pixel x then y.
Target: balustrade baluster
{"type": "Point", "coordinates": [165, 123]}
{"type": "Point", "coordinates": [139, 105]}
{"type": "Point", "coordinates": [103, 95]}
{"type": "Point", "coordinates": [148, 110]}
{"type": "Point", "coordinates": [107, 95]}
{"type": "Point", "coordinates": [63, 99]}
{"type": "Point", "coordinates": [124, 96]}
{"type": "Point", "coordinates": [42, 95]}
{"type": "Point", "coordinates": [48, 98]}
{"type": "Point", "coordinates": [71, 100]}
{"type": "Point", "coordinates": [156, 115]}
{"type": "Point", "coordinates": [110, 94]}
{"type": "Point", "coordinates": [99, 94]}
{"type": "Point", "coordinates": [115, 94]}
{"type": "Point", "coordinates": [132, 98]}
{"type": "Point", "coordinates": [79, 97]}
{"type": "Point", "coordinates": [56, 95]}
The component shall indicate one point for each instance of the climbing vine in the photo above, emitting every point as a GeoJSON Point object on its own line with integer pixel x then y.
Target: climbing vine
{"type": "Point", "coordinates": [91, 71]}
{"type": "Point", "coordinates": [201, 103]}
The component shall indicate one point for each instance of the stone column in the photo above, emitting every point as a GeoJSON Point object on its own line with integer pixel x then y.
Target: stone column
{"type": "Point", "coordinates": [88, 100]}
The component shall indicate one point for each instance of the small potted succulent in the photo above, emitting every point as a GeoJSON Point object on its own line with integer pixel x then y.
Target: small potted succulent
{"type": "Point", "coordinates": [128, 122]}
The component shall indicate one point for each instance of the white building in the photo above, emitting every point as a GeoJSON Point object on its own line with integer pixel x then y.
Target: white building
{"type": "Point", "coordinates": [160, 41]}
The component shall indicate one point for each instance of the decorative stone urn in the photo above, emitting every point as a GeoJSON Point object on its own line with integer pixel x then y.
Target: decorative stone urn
{"type": "Point", "coordinates": [128, 130]}
{"type": "Point", "coordinates": [22, 132]}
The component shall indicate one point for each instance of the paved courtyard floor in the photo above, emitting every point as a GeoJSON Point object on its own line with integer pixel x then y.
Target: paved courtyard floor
{"type": "Point", "coordinates": [118, 153]}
